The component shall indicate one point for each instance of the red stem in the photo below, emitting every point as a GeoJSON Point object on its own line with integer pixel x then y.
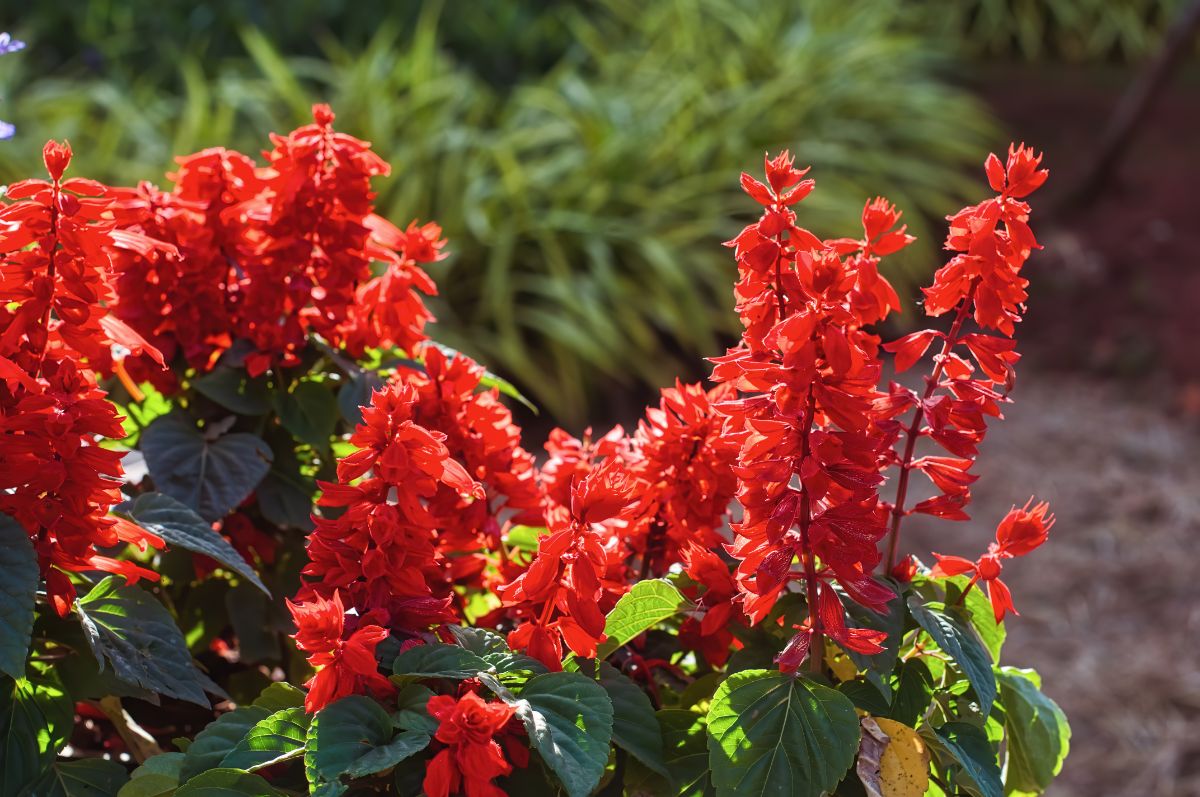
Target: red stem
{"type": "Point", "coordinates": [816, 650]}
{"type": "Point", "coordinates": [913, 431]}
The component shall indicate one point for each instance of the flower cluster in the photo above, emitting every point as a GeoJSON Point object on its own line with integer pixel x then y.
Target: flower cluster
{"type": "Point", "coordinates": [807, 370]}
{"type": "Point", "coordinates": [992, 241]}
{"type": "Point", "coordinates": [275, 255]}
{"type": "Point", "coordinates": [379, 547]}
{"type": "Point", "coordinates": [58, 243]}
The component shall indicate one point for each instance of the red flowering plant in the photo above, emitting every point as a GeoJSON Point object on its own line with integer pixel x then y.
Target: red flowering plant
{"type": "Point", "coordinates": [712, 600]}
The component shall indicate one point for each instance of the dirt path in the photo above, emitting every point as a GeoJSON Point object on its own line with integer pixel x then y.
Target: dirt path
{"type": "Point", "coordinates": [1110, 607]}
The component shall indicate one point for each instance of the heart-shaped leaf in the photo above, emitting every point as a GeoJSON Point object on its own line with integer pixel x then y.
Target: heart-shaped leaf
{"type": "Point", "coordinates": [88, 777]}
{"type": "Point", "coordinates": [569, 719]}
{"type": "Point", "coordinates": [212, 476]}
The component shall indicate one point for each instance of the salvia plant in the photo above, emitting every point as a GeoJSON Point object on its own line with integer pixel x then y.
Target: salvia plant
{"type": "Point", "coordinates": [237, 476]}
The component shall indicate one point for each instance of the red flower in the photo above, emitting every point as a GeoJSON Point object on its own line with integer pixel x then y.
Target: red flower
{"type": "Point", "coordinates": [471, 758]}
{"type": "Point", "coordinates": [1021, 531]}
{"type": "Point", "coordinates": [344, 666]}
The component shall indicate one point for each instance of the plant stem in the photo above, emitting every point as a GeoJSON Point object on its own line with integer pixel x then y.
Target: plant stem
{"type": "Point", "coordinates": [914, 428]}
{"type": "Point", "coordinates": [816, 650]}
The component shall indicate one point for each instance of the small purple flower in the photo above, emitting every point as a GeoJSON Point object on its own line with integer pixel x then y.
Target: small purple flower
{"type": "Point", "coordinates": [10, 45]}
{"type": "Point", "coordinates": [6, 130]}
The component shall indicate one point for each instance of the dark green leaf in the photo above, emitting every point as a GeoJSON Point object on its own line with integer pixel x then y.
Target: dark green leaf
{"type": "Point", "coordinates": [234, 390]}
{"type": "Point", "coordinates": [89, 777]}
{"type": "Point", "coordinates": [381, 759]}
{"type": "Point", "coordinates": [179, 525]}
{"type": "Point", "coordinates": [865, 696]}
{"type": "Point", "coordinates": [961, 642]}
{"type": "Point", "coordinates": [569, 719]}
{"type": "Point", "coordinates": [438, 660]}
{"type": "Point", "coordinates": [491, 647]}
{"type": "Point", "coordinates": [36, 716]}
{"type": "Point", "coordinates": [309, 411]}
{"type": "Point", "coordinates": [272, 739]}
{"type": "Point", "coordinates": [341, 733]}
{"type": "Point", "coordinates": [770, 733]}
{"type": "Point", "coordinates": [150, 785]}
{"type": "Point", "coordinates": [227, 783]}
{"type": "Point", "coordinates": [914, 692]}
{"type": "Point", "coordinates": [635, 728]}
{"type": "Point", "coordinates": [356, 394]}
{"type": "Point", "coordinates": [411, 712]}
{"type": "Point", "coordinates": [136, 634]}
{"type": "Point", "coordinates": [210, 476]}
{"type": "Point", "coordinates": [685, 750]}
{"type": "Point", "coordinates": [286, 499]}
{"type": "Point", "coordinates": [966, 746]}
{"type": "Point", "coordinates": [643, 607]}
{"type": "Point", "coordinates": [250, 615]}
{"type": "Point", "coordinates": [18, 586]}
{"type": "Point", "coordinates": [216, 741]}
{"type": "Point", "coordinates": [1036, 730]}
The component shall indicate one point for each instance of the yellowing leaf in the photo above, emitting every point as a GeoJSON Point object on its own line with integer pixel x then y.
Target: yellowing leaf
{"type": "Point", "coordinates": [893, 760]}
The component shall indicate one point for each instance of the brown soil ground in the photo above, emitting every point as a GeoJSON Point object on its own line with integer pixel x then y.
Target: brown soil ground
{"type": "Point", "coordinates": [1105, 426]}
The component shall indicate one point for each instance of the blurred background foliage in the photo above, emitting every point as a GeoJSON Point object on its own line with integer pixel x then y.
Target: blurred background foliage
{"type": "Point", "coordinates": [582, 157]}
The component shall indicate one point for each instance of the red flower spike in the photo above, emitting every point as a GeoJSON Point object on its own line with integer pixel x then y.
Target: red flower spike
{"type": "Point", "coordinates": [808, 459]}
{"type": "Point", "coordinates": [344, 666]}
{"type": "Point", "coordinates": [982, 281]}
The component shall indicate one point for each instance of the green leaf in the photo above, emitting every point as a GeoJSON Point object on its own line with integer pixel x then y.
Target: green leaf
{"type": "Point", "coordinates": [1036, 730]}
{"type": "Point", "coordinates": [569, 719]}
{"type": "Point", "coordinates": [685, 751]}
{"type": "Point", "coordinates": [36, 717]}
{"type": "Point", "coordinates": [216, 741]}
{"type": "Point", "coordinates": [227, 783]}
{"type": "Point", "coordinates": [403, 745]}
{"type": "Point", "coordinates": [643, 607]}
{"type": "Point", "coordinates": [978, 612]}
{"type": "Point", "coordinates": [89, 777]}
{"type": "Point", "coordinates": [961, 642]}
{"type": "Point", "coordinates": [212, 476]}
{"type": "Point", "coordinates": [179, 525]}
{"type": "Point", "coordinates": [151, 785]}
{"type": "Point", "coordinates": [309, 411]}
{"type": "Point", "coordinates": [343, 732]}
{"type": "Point", "coordinates": [491, 647]}
{"type": "Point", "coordinates": [286, 499]}
{"type": "Point", "coordinates": [136, 634]}
{"type": "Point", "coordinates": [272, 739]}
{"type": "Point", "coordinates": [18, 588]}
{"type": "Point", "coordinates": [966, 746]}
{"type": "Point", "coordinates": [770, 733]}
{"type": "Point", "coordinates": [438, 660]}
{"type": "Point", "coordinates": [233, 389]}
{"type": "Point", "coordinates": [280, 695]}
{"type": "Point", "coordinates": [635, 728]}
{"type": "Point", "coordinates": [412, 713]}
